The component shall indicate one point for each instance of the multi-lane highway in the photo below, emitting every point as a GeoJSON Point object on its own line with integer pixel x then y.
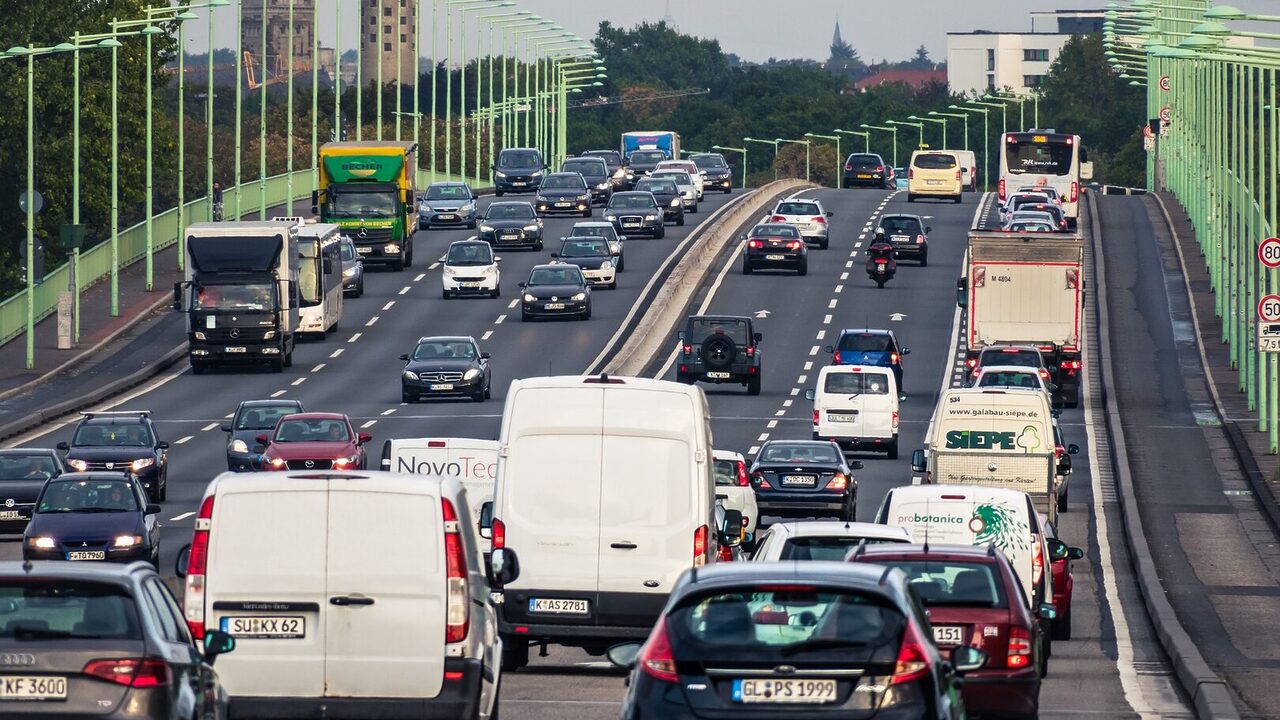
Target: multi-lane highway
{"type": "Point", "coordinates": [1113, 668]}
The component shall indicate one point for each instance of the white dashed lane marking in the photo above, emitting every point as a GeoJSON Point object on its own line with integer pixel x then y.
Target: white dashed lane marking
{"type": "Point", "coordinates": [813, 350]}
{"type": "Point", "coordinates": [388, 411]}
{"type": "Point", "coordinates": [433, 266]}
{"type": "Point", "coordinates": [404, 290]}
{"type": "Point", "coordinates": [826, 319]}
{"type": "Point", "coordinates": [787, 403]}
{"type": "Point", "coordinates": [335, 353]}
{"type": "Point", "coordinates": [419, 277]}
{"type": "Point", "coordinates": [208, 427]}
{"type": "Point", "coordinates": [298, 382]}
{"type": "Point", "coordinates": [821, 334]}
{"type": "Point", "coordinates": [832, 305]}
{"type": "Point", "coordinates": [753, 450]}
{"type": "Point", "coordinates": [317, 368]}
{"type": "Point", "coordinates": [763, 437]}
{"type": "Point", "coordinates": [845, 275]}
{"type": "Point", "coordinates": [278, 393]}
{"type": "Point", "coordinates": [848, 264]}
{"type": "Point", "coordinates": [389, 305]}
{"type": "Point", "coordinates": [795, 391]}
{"type": "Point", "coordinates": [372, 320]}
{"type": "Point", "coordinates": [183, 440]}
{"type": "Point", "coordinates": [772, 424]}
{"type": "Point", "coordinates": [354, 338]}
{"type": "Point", "coordinates": [840, 288]}
{"type": "Point", "coordinates": [487, 334]}
{"type": "Point", "coordinates": [513, 303]}
{"type": "Point", "coordinates": [780, 413]}
{"type": "Point", "coordinates": [183, 516]}
{"type": "Point", "coordinates": [802, 380]}
{"type": "Point", "coordinates": [369, 424]}
{"type": "Point", "coordinates": [500, 319]}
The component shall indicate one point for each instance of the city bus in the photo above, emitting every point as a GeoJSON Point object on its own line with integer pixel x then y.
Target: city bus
{"type": "Point", "coordinates": [319, 277]}
{"type": "Point", "coordinates": [1043, 158]}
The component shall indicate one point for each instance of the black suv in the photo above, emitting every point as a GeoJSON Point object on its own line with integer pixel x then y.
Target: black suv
{"type": "Point", "coordinates": [720, 349]}
{"type": "Point", "coordinates": [867, 169]}
{"type": "Point", "coordinates": [124, 442]}
{"type": "Point", "coordinates": [518, 170]}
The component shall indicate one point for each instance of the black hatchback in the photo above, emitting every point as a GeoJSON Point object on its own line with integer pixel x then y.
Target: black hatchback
{"type": "Point", "coordinates": [103, 641]}
{"type": "Point", "coordinates": [867, 169]}
{"type": "Point", "coordinates": [23, 471]}
{"type": "Point", "coordinates": [792, 639]}
{"type": "Point", "coordinates": [805, 478]}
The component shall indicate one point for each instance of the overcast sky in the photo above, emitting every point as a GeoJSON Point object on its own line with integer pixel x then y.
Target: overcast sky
{"type": "Point", "coordinates": [753, 29]}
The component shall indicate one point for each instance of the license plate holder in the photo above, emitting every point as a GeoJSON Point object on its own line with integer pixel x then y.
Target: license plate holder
{"type": "Point", "coordinates": [800, 691]}
{"type": "Point", "coordinates": [10, 514]}
{"type": "Point", "coordinates": [363, 250]}
{"type": "Point", "coordinates": [265, 627]}
{"type": "Point", "coordinates": [563, 204]}
{"type": "Point", "coordinates": [842, 417]}
{"type": "Point", "coordinates": [33, 687]}
{"type": "Point", "coordinates": [87, 555]}
{"type": "Point", "coordinates": [775, 257]}
{"type": "Point", "coordinates": [519, 183]}
{"type": "Point", "coordinates": [864, 176]}
{"type": "Point", "coordinates": [560, 606]}
{"type": "Point", "coordinates": [446, 217]}
{"type": "Point", "coordinates": [948, 634]}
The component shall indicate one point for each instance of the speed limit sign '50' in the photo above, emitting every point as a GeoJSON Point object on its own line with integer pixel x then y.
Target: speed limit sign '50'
{"type": "Point", "coordinates": [1269, 252]}
{"type": "Point", "coordinates": [1269, 308]}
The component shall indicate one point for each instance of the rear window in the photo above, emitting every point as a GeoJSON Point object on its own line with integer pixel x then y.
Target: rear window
{"type": "Point", "coordinates": [56, 609]}
{"type": "Point", "coordinates": [785, 231]}
{"type": "Point", "coordinates": [934, 161]}
{"type": "Point", "coordinates": [798, 453]}
{"type": "Point", "coordinates": [768, 624]}
{"type": "Point", "coordinates": [648, 156]}
{"type": "Point", "coordinates": [1025, 358]}
{"type": "Point", "coordinates": [865, 342]}
{"type": "Point", "coordinates": [851, 383]}
{"type": "Point", "coordinates": [1009, 379]}
{"type": "Point", "coordinates": [901, 225]}
{"type": "Point", "coordinates": [795, 208]}
{"type": "Point", "coordinates": [706, 162]}
{"type": "Point", "coordinates": [702, 328]}
{"type": "Point", "coordinates": [726, 472]}
{"type": "Point", "coordinates": [864, 160]}
{"type": "Point", "coordinates": [826, 548]}
{"type": "Point", "coordinates": [264, 417]}
{"type": "Point", "coordinates": [969, 584]}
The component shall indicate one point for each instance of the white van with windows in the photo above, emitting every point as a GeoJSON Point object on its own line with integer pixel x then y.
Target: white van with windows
{"type": "Point", "coordinates": [968, 168]}
{"type": "Point", "coordinates": [470, 461]}
{"type": "Point", "coordinates": [606, 494]}
{"type": "Point", "coordinates": [857, 407]}
{"type": "Point", "coordinates": [352, 594]}
{"type": "Point", "coordinates": [319, 275]}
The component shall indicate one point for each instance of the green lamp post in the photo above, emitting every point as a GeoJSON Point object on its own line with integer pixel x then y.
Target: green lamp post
{"type": "Point", "coordinates": [893, 130]}
{"type": "Point", "coordinates": [839, 157]}
{"type": "Point", "coordinates": [939, 121]}
{"type": "Point", "coordinates": [986, 140]}
{"type": "Point", "coordinates": [866, 137]}
{"type": "Point", "coordinates": [919, 126]}
{"type": "Point", "coordinates": [774, 143]}
{"type": "Point", "coordinates": [807, 154]}
{"type": "Point", "coordinates": [964, 123]}
{"type": "Point", "coordinates": [743, 152]}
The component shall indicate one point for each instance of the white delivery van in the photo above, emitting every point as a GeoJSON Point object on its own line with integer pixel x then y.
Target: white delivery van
{"type": "Point", "coordinates": [968, 168]}
{"type": "Point", "coordinates": [968, 515]}
{"type": "Point", "coordinates": [606, 494]}
{"type": "Point", "coordinates": [470, 461]}
{"type": "Point", "coordinates": [857, 407]}
{"type": "Point", "coordinates": [353, 594]}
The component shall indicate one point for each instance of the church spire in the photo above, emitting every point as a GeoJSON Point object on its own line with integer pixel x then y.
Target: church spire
{"type": "Point", "coordinates": [667, 17]}
{"type": "Point", "coordinates": [837, 41]}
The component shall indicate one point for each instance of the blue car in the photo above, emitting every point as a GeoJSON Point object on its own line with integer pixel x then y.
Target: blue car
{"type": "Point", "coordinates": [866, 346]}
{"type": "Point", "coordinates": [103, 516]}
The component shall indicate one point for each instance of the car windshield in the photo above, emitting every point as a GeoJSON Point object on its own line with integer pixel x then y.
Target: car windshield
{"type": "Point", "coordinates": [702, 328]}
{"type": "Point", "coordinates": [942, 582]}
{"type": "Point", "coordinates": [469, 254]}
{"type": "Point", "coordinates": [708, 162]}
{"type": "Point", "coordinates": [519, 159]}
{"type": "Point", "coordinates": [611, 158]}
{"type": "Point", "coordinates": [898, 225]}
{"type": "Point", "coordinates": [934, 161]}
{"type": "Point", "coordinates": [112, 434]}
{"type": "Point", "coordinates": [866, 342]}
{"type": "Point", "coordinates": [68, 496]}
{"type": "Point", "coordinates": [631, 202]}
{"type": "Point", "coordinates": [263, 417]}
{"type": "Point", "coordinates": [602, 231]}
{"type": "Point", "coordinates": [658, 187]}
{"type": "Point", "coordinates": [563, 182]}
{"type": "Point", "coordinates": [830, 547]}
{"type": "Point", "coordinates": [312, 430]}
{"type": "Point", "coordinates": [584, 167]}
{"type": "Point", "coordinates": [347, 251]}
{"type": "Point", "coordinates": [256, 296]}
{"type": "Point", "coordinates": [555, 276]}
{"type": "Point", "coordinates": [584, 248]}
{"type": "Point", "coordinates": [857, 383]}
{"type": "Point", "coordinates": [759, 625]}
{"type": "Point", "coordinates": [796, 208]}
{"type": "Point", "coordinates": [60, 609]}
{"type": "Point", "coordinates": [648, 156]}
{"type": "Point", "coordinates": [726, 472]}
{"type": "Point", "coordinates": [510, 211]}
{"type": "Point", "coordinates": [448, 192]}
{"type": "Point", "coordinates": [444, 350]}
{"type": "Point", "coordinates": [1012, 356]}
{"type": "Point", "coordinates": [1009, 379]}
{"type": "Point", "coordinates": [679, 176]}
{"type": "Point", "coordinates": [355, 203]}
{"type": "Point", "coordinates": [782, 231]}
{"type": "Point", "coordinates": [35, 466]}
{"type": "Point", "coordinates": [796, 453]}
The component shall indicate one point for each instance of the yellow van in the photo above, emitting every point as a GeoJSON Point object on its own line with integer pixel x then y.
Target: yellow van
{"type": "Point", "coordinates": [934, 173]}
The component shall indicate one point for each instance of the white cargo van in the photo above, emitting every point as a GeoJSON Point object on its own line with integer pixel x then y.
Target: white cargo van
{"type": "Point", "coordinates": [968, 515]}
{"type": "Point", "coordinates": [606, 493]}
{"type": "Point", "coordinates": [470, 461]}
{"type": "Point", "coordinates": [857, 407]}
{"type": "Point", "coordinates": [349, 595]}
{"type": "Point", "coordinates": [968, 168]}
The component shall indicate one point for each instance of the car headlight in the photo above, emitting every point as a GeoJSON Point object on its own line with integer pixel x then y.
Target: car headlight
{"type": "Point", "coordinates": [471, 374]}
{"type": "Point", "coordinates": [391, 248]}
{"type": "Point", "coordinates": [142, 463]}
{"type": "Point", "coordinates": [531, 228]}
{"type": "Point", "coordinates": [345, 461]}
{"type": "Point", "coordinates": [606, 265]}
{"type": "Point", "coordinates": [536, 174]}
{"type": "Point", "coordinates": [530, 298]}
{"type": "Point", "coordinates": [486, 228]}
{"type": "Point", "coordinates": [650, 217]}
{"type": "Point", "coordinates": [540, 198]}
{"type": "Point", "coordinates": [499, 173]}
{"type": "Point", "coordinates": [239, 446]}
{"type": "Point", "coordinates": [580, 297]}
{"type": "Point", "coordinates": [127, 541]}
{"type": "Point", "coordinates": [199, 335]}
{"type": "Point", "coordinates": [44, 543]}
{"type": "Point", "coordinates": [349, 272]}
{"type": "Point", "coordinates": [467, 208]}
{"type": "Point", "coordinates": [268, 334]}
{"type": "Point", "coordinates": [278, 463]}
{"type": "Point", "coordinates": [675, 202]}
{"type": "Point", "coordinates": [615, 248]}
{"type": "Point", "coordinates": [491, 270]}
{"type": "Point", "coordinates": [78, 465]}
{"type": "Point", "coordinates": [410, 375]}
{"type": "Point", "coordinates": [584, 197]}
{"type": "Point", "coordinates": [610, 217]}
{"type": "Point", "coordinates": [603, 186]}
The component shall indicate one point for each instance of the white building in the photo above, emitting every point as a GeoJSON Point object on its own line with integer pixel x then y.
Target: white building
{"type": "Point", "coordinates": [983, 60]}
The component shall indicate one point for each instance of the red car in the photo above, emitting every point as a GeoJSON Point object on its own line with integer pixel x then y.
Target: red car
{"type": "Point", "coordinates": [314, 441]}
{"type": "Point", "coordinates": [974, 598]}
{"type": "Point", "coordinates": [1060, 557]}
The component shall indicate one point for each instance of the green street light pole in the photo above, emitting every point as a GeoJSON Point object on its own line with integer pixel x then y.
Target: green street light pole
{"type": "Point", "coordinates": [807, 155]}
{"type": "Point", "coordinates": [485, 48]}
{"type": "Point", "coordinates": [463, 6]}
{"type": "Point", "coordinates": [964, 124]}
{"type": "Point", "coordinates": [918, 126]}
{"type": "Point", "coordinates": [866, 137]}
{"type": "Point", "coordinates": [943, 123]}
{"type": "Point", "coordinates": [774, 143]}
{"type": "Point", "coordinates": [893, 130]}
{"type": "Point", "coordinates": [986, 141]}
{"type": "Point", "coordinates": [839, 157]}
{"type": "Point", "coordinates": [741, 150]}
{"type": "Point", "coordinates": [1004, 116]}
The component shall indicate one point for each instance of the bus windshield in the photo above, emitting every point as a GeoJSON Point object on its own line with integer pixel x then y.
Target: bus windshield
{"type": "Point", "coordinates": [1053, 158]}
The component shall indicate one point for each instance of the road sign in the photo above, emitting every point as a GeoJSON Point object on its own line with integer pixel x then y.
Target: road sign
{"type": "Point", "coordinates": [1166, 115]}
{"type": "Point", "coordinates": [1269, 309]}
{"type": "Point", "coordinates": [1269, 252]}
{"type": "Point", "coordinates": [1268, 338]}
{"type": "Point", "coordinates": [1165, 83]}
{"type": "Point", "coordinates": [39, 202]}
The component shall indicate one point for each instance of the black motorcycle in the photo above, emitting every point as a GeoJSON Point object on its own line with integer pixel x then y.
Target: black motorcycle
{"type": "Point", "coordinates": [881, 263]}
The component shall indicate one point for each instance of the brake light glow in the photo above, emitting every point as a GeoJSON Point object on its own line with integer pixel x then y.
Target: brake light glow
{"type": "Point", "coordinates": [778, 218]}
{"type": "Point", "coordinates": [818, 219]}
{"type": "Point", "coordinates": [911, 172]}
{"type": "Point", "coordinates": [758, 477]}
{"type": "Point", "coordinates": [1019, 655]}
{"type": "Point", "coordinates": [839, 482]}
{"type": "Point", "coordinates": [848, 167]}
{"type": "Point", "coordinates": [893, 358]}
{"type": "Point", "coordinates": [913, 661]}
{"type": "Point", "coordinates": [656, 658]}
{"type": "Point", "coordinates": [750, 350]}
{"type": "Point", "coordinates": [1075, 190]}
{"type": "Point", "coordinates": [879, 168]}
{"type": "Point", "coordinates": [458, 607]}
{"type": "Point", "coordinates": [499, 534]}
{"type": "Point", "coordinates": [755, 244]}
{"type": "Point", "coordinates": [1070, 365]}
{"type": "Point", "coordinates": [131, 672]}
{"type": "Point", "coordinates": [742, 474]}
{"type": "Point", "coordinates": [895, 419]}
{"type": "Point", "coordinates": [836, 358]}
{"type": "Point", "coordinates": [1037, 564]}
{"type": "Point", "coordinates": [197, 563]}
{"type": "Point", "coordinates": [793, 244]}
{"type": "Point", "coordinates": [957, 173]}
{"type": "Point", "coordinates": [1001, 188]}
{"type": "Point", "coordinates": [687, 348]}
{"type": "Point", "coordinates": [816, 415]}
{"type": "Point", "coordinates": [700, 537]}
{"type": "Point", "coordinates": [972, 362]}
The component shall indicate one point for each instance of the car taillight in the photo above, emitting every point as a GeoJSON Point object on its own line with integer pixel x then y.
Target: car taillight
{"type": "Point", "coordinates": [895, 419]}
{"type": "Point", "coordinates": [778, 218]}
{"type": "Point", "coordinates": [499, 534]}
{"type": "Point", "coordinates": [839, 482]}
{"type": "Point", "coordinates": [725, 554]}
{"type": "Point", "coordinates": [742, 474]}
{"type": "Point", "coordinates": [818, 219]}
{"type": "Point", "coordinates": [836, 358]}
{"type": "Point", "coordinates": [848, 168]}
{"type": "Point", "coordinates": [758, 477]}
{"type": "Point", "coordinates": [1070, 365]}
{"type": "Point", "coordinates": [458, 608]}
{"type": "Point", "coordinates": [1037, 564]}
{"type": "Point", "coordinates": [1019, 655]}
{"type": "Point", "coordinates": [1058, 452]}
{"type": "Point", "coordinates": [1044, 373]}
{"type": "Point", "coordinates": [1075, 190]}
{"type": "Point", "coordinates": [197, 563]}
{"type": "Point", "coordinates": [919, 239]}
{"type": "Point", "coordinates": [754, 244]}
{"type": "Point", "coordinates": [816, 415]}
{"type": "Point", "coordinates": [957, 174]}
{"type": "Point", "coordinates": [686, 348]}
{"type": "Point", "coordinates": [700, 537]}
{"type": "Point", "coordinates": [1001, 188]}
{"type": "Point", "coordinates": [131, 672]}
{"type": "Point", "coordinates": [911, 172]}
{"type": "Point", "coordinates": [656, 658]}
{"type": "Point", "coordinates": [1073, 279]}
{"type": "Point", "coordinates": [793, 244]}
{"type": "Point", "coordinates": [879, 168]}
{"type": "Point", "coordinates": [913, 661]}
{"type": "Point", "coordinates": [750, 350]}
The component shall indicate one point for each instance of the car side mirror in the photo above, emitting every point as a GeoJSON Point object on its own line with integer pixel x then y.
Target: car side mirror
{"type": "Point", "coordinates": [225, 427]}
{"type": "Point", "coordinates": [1052, 368]}
{"type": "Point", "coordinates": [906, 351]}
{"type": "Point", "coordinates": [497, 259]}
{"type": "Point", "coordinates": [404, 358]}
{"type": "Point", "coordinates": [328, 266]}
{"type": "Point", "coordinates": [828, 349]}
{"type": "Point", "coordinates": [623, 656]}
{"type": "Point", "coordinates": [555, 256]}
{"type": "Point", "coordinates": [503, 568]}
{"type": "Point", "coordinates": [917, 461]}
{"type": "Point", "coordinates": [830, 214]}
{"type": "Point", "coordinates": [967, 658]}
{"type": "Point", "coordinates": [1073, 449]}
{"type": "Point", "coordinates": [928, 229]}
{"type": "Point", "coordinates": [731, 533]}
{"type": "Point", "coordinates": [757, 337]}
{"type": "Point", "coordinates": [152, 509]}
{"type": "Point", "coordinates": [1046, 611]}
{"type": "Point", "coordinates": [855, 465]}
{"type": "Point", "coordinates": [484, 356]}
{"type": "Point", "coordinates": [177, 297]}
{"type": "Point", "coordinates": [1053, 388]}
{"type": "Point", "coordinates": [520, 285]}
{"type": "Point", "coordinates": [180, 563]}
{"type": "Point", "coordinates": [217, 642]}
{"type": "Point", "coordinates": [363, 438]}
{"type": "Point", "coordinates": [63, 446]}
{"type": "Point", "coordinates": [1075, 553]}
{"type": "Point", "coordinates": [162, 445]}
{"type": "Point", "coordinates": [263, 440]}
{"type": "Point", "coordinates": [485, 525]}
{"type": "Point", "coordinates": [1058, 550]}
{"type": "Point", "coordinates": [808, 395]}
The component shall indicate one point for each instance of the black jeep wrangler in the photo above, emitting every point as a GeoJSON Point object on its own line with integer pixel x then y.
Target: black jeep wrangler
{"type": "Point", "coordinates": [720, 349]}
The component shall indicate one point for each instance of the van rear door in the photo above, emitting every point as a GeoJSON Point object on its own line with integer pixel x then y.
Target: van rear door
{"type": "Point", "coordinates": [472, 461]}
{"type": "Point", "coordinates": [385, 602]}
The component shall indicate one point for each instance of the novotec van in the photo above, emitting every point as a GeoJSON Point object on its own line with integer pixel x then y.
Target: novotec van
{"type": "Point", "coordinates": [857, 407]}
{"type": "Point", "coordinates": [934, 173]}
{"type": "Point", "coordinates": [356, 594]}
{"type": "Point", "coordinates": [470, 461]}
{"type": "Point", "coordinates": [965, 515]}
{"type": "Point", "coordinates": [606, 493]}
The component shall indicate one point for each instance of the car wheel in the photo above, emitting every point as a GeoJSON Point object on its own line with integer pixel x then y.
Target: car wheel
{"type": "Point", "coordinates": [746, 267]}
{"type": "Point", "coordinates": [162, 489]}
{"type": "Point", "coordinates": [445, 294]}
{"type": "Point", "coordinates": [408, 397]}
{"type": "Point", "coordinates": [538, 247]}
{"type": "Point", "coordinates": [471, 225]}
{"type": "Point", "coordinates": [408, 255]}
{"type": "Point", "coordinates": [277, 365]}
{"type": "Point", "coordinates": [1062, 498]}
{"type": "Point", "coordinates": [824, 243]}
{"type": "Point", "coordinates": [155, 557]}
{"type": "Point", "coordinates": [694, 209]}
{"type": "Point", "coordinates": [958, 199]}
{"type": "Point", "coordinates": [288, 359]}
{"type": "Point", "coordinates": [879, 283]}
{"type": "Point", "coordinates": [680, 220]}
{"type": "Point", "coordinates": [1061, 629]}
{"type": "Point", "coordinates": [924, 259]}
{"type": "Point", "coordinates": [613, 285]}
{"type": "Point", "coordinates": [514, 656]}
{"type": "Point", "coordinates": [753, 385]}
{"type": "Point", "coordinates": [622, 263]}
{"type": "Point", "coordinates": [662, 230]}
{"type": "Point", "coordinates": [497, 291]}
{"type": "Point", "coordinates": [197, 368]}
{"type": "Point", "coordinates": [488, 391]}
{"type": "Point", "coordinates": [911, 198]}
{"type": "Point", "coordinates": [497, 193]}
{"type": "Point", "coordinates": [803, 269]}
{"type": "Point", "coordinates": [893, 449]}
{"type": "Point", "coordinates": [360, 287]}
{"type": "Point", "coordinates": [685, 378]}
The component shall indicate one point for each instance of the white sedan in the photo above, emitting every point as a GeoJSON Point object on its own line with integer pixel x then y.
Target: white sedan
{"type": "Point", "coordinates": [470, 268]}
{"type": "Point", "coordinates": [822, 539]}
{"type": "Point", "coordinates": [734, 490]}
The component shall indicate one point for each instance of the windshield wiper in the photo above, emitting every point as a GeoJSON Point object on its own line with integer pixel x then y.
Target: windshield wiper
{"type": "Point", "coordinates": [821, 644]}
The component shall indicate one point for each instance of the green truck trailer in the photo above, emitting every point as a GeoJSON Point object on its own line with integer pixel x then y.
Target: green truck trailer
{"type": "Point", "coordinates": [367, 189]}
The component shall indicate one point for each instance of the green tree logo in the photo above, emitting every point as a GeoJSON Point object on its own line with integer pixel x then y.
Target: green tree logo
{"type": "Point", "coordinates": [997, 525]}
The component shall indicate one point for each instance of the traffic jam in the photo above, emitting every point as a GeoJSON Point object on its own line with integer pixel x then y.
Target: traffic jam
{"type": "Point", "coordinates": [330, 574]}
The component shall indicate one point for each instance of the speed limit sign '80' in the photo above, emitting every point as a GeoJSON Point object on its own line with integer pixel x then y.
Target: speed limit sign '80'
{"type": "Point", "coordinates": [1269, 308]}
{"type": "Point", "coordinates": [1269, 252]}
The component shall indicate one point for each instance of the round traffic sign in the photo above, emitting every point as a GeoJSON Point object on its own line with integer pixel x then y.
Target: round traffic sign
{"type": "Point", "coordinates": [1166, 115]}
{"type": "Point", "coordinates": [36, 205]}
{"type": "Point", "coordinates": [1269, 252]}
{"type": "Point", "coordinates": [1165, 83]}
{"type": "Point", "coordinates": [1269, 308]}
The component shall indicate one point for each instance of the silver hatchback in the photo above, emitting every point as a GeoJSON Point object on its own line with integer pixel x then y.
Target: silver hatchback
{"type": "Point", "coordinates": [807, 215]}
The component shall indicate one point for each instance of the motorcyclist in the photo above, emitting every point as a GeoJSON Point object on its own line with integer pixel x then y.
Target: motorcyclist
{"type": "Point", "coordinates": [881, 251]}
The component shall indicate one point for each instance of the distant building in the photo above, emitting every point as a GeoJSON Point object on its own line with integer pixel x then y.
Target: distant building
{"type": "Point", "coordinates": [915, 78]}
{"type": "Point", "coordinates": [277, 51]}
{"type": "Point", "coordinates": [668, 18]}
{"type": "Point", "coordinates": [387, 38]}
{"type": "Point", "coordinates": [983, 60]}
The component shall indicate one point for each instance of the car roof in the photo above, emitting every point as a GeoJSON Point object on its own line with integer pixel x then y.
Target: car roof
{"type": "Point", "coordinates": [796, 198]}
{"type": "Point", "coordinates": [446, 338]}
{"type": "Point", "coordinates": [589, 158]}
{"type": "Point", "coordinates": [96, 475]}
{"type": "Point", "coordinates": [28, 451]}
{"type": "Point", "coordinates": [762, 226]}
{"type": "Point", "coordinates": [588, 223]}
{"type": "Point", "coordinates": [974, 553]}
{"type": "Point", "coordinates": [270, 403]}
{"type": "Point", "coordinates": [315, 416]}
{"type": "Point", "coordinates": [552, 266]}
{"type": "Point", "coordinates": [718, 317]}
{"type": "Point", "coordinates": [1024, 369]}
{"type": "Point", "coordinates": [866, 331]}
{"type": "Point", "coordinates": [58, 569]}
{"type": "Point", "coordinates": [905, 215]}
{"type": "Point", "coordinates": [446, 183]}
{"type": "Point", "coordinates": [564, 174]}
{"type": "Point", "coordinates": [1002, 348]}
{"type": "Point", "coordinates": [468, 241]}
{"type": "Point", "coordinates": [727, 455]}
{"type": "Point", "coordinates": [526, 203]}
{"type": "Point", "coordinates": [854, 576]}
{"type": "Point", "coordinates": [839, 528]}
{"type": "Point", "coordinates": [798, 441]}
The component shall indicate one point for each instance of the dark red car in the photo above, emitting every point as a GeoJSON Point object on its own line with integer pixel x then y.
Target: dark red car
{"type": "Point", "coordinates": [1060, 557]}
{"type": "Point", "coordinates": [314, 441]}
{"type": "Point", "coordinates": [974, 598]}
